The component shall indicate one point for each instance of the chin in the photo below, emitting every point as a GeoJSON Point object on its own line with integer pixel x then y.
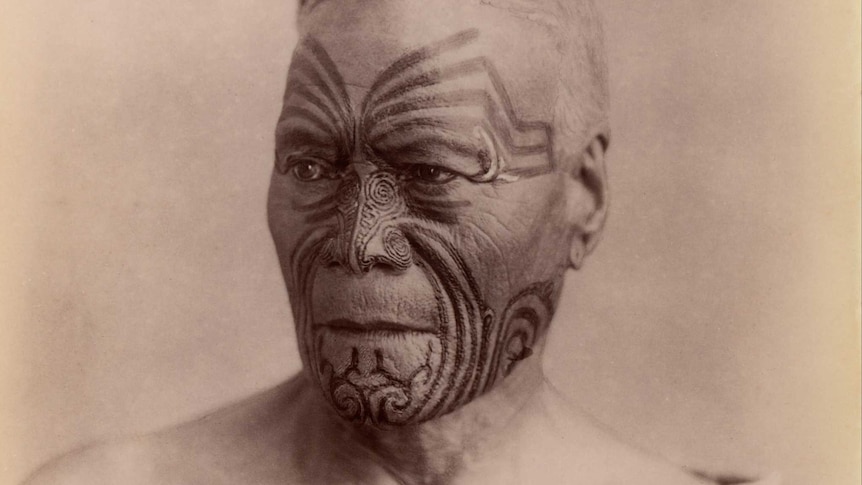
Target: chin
{"type": "Point", "coordinates": [380, 377]}
{"type": "Point", "coordinates": [394, 348]}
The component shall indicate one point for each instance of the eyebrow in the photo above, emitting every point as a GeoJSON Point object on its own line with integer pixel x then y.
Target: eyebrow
{"type": "Point", "coordinates": [400, 91]}
{"type": "Point", "coordinates": [399, 114]}
{"type": "Point", "coordinates": [432, 149]}
{"type": "Point", "coordinates": [298, 140]}
{"type": "Point", "coordinates": [301, 136]}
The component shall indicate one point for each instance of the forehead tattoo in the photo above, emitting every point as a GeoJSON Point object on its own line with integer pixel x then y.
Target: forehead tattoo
{"type": "Point", "coordinates": [419, 105]}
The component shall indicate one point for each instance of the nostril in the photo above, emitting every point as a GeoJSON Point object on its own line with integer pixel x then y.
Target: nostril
{"type": "Point", "coordinates": [387, 249]}
{"type": "Point", "coordinates": [332, 254]}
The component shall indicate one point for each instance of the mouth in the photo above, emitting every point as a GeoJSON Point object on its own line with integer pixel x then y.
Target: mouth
{"type": "Point", "coordinates": [381, 327]}
{"type": "Point", "coordinates": [376, 302]}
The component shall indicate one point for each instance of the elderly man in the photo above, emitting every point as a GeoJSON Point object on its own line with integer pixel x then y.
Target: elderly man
{"type": "Point", "coordinates": [438, 167]}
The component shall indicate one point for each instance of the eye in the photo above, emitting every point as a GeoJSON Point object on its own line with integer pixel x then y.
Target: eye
{"type": "Point", "coordinates": [431, 174]}
{"type": "Point", "coordinates": [308, 170]}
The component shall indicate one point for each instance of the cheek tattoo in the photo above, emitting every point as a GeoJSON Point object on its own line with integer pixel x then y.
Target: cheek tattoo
{"type": "Point", "coordinates": [378, 218]}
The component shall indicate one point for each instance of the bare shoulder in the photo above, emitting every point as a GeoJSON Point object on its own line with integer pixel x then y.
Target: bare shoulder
{"type": "Point", "coordinates": [129, 462]}
{"type": "Point", "coordinates": [224, 446]}
{"type": "Point", "coordinates": [579, 446]}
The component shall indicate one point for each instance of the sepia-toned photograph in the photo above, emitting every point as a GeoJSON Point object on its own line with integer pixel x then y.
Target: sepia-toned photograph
{"type": "Point", "coordinates": [430, 242]}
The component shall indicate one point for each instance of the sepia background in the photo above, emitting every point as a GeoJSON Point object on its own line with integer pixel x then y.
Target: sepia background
{"type": "Point", "coordinates": [717, 323]}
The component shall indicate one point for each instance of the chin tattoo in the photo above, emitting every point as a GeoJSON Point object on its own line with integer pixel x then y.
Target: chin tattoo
{"type": "Point", "coordinates": [392, 377]}
{"type": "Point", "coordinates": [381, 219]}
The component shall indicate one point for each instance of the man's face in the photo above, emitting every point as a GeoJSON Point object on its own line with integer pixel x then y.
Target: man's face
{"type": "Point", "coordinates": [416, 205]}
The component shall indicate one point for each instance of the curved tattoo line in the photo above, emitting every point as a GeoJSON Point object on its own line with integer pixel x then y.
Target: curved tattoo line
{"type": "Point", "coordinates": [542, 292]}
{"type": "Point", "coordinates": [458, 299]}
{"type": "Point", "coordinates": [414, 57]}
{"type": "Point", "coordinates": [315, 119]}
{"type": "Point", "coordinates": [312, 61]}
{"type": "Point", "coordinates": [298, 88]}
{"type": "Point", "coordinates": [332, 70]}
{"type": "Point", "coordinates": [493, 165]}
{"type": "Point", "coordinates": [303, 260]}
{"type": "Point", "coordinates": [306, 66]}
{"type": "Point", "coordinates": [461, 98]}
{"type": "Point", "coordinates": [431, 78]}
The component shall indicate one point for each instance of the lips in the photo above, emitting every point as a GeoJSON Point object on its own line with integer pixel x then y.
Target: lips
{"type": "Point", "coordinates": [376, 326]}
{"type": "Point", "coordinates": [377, 301]}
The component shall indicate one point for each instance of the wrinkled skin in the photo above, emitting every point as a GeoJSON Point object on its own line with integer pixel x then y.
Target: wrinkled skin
{"type": "Point", "coordinates": [420, 212]}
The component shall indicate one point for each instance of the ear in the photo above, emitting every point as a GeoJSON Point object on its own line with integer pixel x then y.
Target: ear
{"type": "Point", "coordinates": [587, 198]}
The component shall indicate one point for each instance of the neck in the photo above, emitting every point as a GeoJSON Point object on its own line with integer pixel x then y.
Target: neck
{"type": "Point", "coordinates": [438, 450]}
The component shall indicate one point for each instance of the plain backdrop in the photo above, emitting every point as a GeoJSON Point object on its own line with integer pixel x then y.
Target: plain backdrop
{"type": "Point", "coordinates": [717, 323]}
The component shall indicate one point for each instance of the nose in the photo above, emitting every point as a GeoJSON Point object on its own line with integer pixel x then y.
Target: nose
{"type": "Point", "coordinates": [370, 205]}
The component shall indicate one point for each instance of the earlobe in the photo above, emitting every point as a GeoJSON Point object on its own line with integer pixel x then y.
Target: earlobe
{"type": "Point", "coordinates": [577, 253]}
{"type": "Point", "coordinates": [588, 199]}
